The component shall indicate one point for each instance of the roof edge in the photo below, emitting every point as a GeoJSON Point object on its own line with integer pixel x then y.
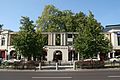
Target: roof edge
{"type": "Point", "coordinates": [112, 25]}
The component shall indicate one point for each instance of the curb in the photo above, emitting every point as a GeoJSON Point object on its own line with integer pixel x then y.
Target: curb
{"type": "Point", "coordinates": [68, 70]}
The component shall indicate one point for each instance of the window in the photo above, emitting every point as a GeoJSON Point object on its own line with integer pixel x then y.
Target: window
{"type": "Point", "coordinates": [69, 43]}
{"type": "Point", "coordinates": [57, 39]}
{"type": "Point", "coordinates": [118, 38]}
{"type": "Point", "coordinates": [3, 41]}
{"type": "Point", "coordinates": [69, 35]}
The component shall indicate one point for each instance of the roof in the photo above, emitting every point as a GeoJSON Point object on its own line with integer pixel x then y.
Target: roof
{"type": "Point", "coordinates": [113, 26]}
{"type": "Point", "coordinates": [109, 27]}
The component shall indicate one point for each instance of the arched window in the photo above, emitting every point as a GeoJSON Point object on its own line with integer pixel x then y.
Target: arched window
{"type": "Point", "coordinates": [3, 41]}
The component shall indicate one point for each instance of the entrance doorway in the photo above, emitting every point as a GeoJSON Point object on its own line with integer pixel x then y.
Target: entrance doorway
{"type": "Point", "coordinates": [2, 54]}
{"type": "Point", "coordinates": [72, 55]}
{"type": "Point", "coordinates": [13, 54]}
{"type": "Point", "coordinates": [57, 55]}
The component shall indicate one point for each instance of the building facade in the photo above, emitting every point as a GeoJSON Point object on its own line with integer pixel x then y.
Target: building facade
{"type": "Point", "coordinates": [112, 32]}
{"type": "Point", "coordinates": [6, 49]}
{"type": "Point", "coordinates": [59, 44]}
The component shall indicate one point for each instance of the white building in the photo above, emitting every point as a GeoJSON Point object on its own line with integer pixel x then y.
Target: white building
{"type": "Point", "coordinates": [6, 49]}
{"type": "Point", "coordinates": [62, 51]}
{"type": "Point", "coordinates": [113, 34]}
{"type": "Point", "coordinates": [62, 48]}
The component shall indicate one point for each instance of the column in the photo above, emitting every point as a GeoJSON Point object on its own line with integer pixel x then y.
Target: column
{"type": "Point", "coordinates": [98, 56]}
{"type": "Point", "coordinates": [64, 40]}
{"type": "Point", "coordinates": [61, 39]}
{"type": "Point", "coordinates": [54, 38]}
{"type": "Point", "coordinates": [51, 39]}
{"type": "Point", "coordinates": [109, 55]}
{"type": "Point", "coordinates": [113, 55]}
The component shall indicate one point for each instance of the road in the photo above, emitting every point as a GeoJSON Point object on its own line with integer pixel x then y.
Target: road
{"type": "Point", "coordinates": [61, 75]}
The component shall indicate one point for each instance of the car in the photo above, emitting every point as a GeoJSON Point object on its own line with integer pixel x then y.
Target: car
{"type": "Point", "coordinates": [91, 59]}
{"type": "Point", "coordinates": [115, 59]}
{"type": "Point", "coordinates": [11, 61]}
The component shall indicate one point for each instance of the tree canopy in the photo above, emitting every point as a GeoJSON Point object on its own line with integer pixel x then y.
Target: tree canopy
{"type": "Point", "coordinates": [54, 20]}
{"type": "Point", "coordinates": [90, 39]}
{"type": "Point", "coordinates": [28, 41]}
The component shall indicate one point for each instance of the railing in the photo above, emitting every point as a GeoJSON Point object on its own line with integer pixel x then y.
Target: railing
{"type": "Point", "coordinates": [38, 65]}
{"type": "Point", "coordinates": [56, 66]}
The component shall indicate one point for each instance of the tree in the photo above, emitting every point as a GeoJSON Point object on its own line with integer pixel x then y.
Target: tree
{"type": "Point", "coordinates": [45, 22]}
{"type": "Point", "coordinates": [1, 25]}
{"type": "Point", "coordinates": [54, 20]}
{"type": "Point", "coordinates": [27, 41]}
{"type": "Point", "coordinates": [90, 40]}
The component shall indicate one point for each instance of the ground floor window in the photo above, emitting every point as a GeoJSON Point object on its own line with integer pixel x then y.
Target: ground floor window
{"type": "Point", "coordinates": [72, 55]}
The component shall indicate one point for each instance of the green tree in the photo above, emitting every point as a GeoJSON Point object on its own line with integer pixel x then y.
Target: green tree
{"type": "Point", "coordinates": [45, 22]}
{"type": "Point", "coordinates": [28, 41]}
{"type": "Point", "coordinates": [1, 25]}
{"type": "Point", "coordinates": [90, 40]}
{"type": "Point", "coordinates": [54, 20]}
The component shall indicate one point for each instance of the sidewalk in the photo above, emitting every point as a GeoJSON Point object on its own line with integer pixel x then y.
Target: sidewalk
{"type": "Point", "coordinates": [65, 70]}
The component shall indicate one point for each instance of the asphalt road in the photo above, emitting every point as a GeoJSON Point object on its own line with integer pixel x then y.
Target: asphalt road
{"type": "Point", "coordinates": [56, 75]}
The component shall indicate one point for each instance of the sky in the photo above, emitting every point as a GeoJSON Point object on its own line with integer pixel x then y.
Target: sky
{"type": "Point", "coordinates": [107, 12]}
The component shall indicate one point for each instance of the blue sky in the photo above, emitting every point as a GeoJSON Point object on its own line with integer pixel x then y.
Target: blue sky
{"type": "Point", "coordinates": [105, 11]}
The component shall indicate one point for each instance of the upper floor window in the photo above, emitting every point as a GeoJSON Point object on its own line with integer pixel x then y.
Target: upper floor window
{"type": "Point", "coordinates": [69, 35]}
{"type": "Point", "coordinates": [3, 41]}
{"type": "Point", "coordinates": [118, 38]}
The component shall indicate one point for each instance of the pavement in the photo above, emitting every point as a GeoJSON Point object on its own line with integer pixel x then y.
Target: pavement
{"type": "Point", "coordinates": [107, 67]}
{"type": "Point", "coordinates": [101, 69]}
{"type": "Point", "coordinates": [84, 74]}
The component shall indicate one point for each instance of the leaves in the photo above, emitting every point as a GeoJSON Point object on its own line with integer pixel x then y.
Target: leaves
{"type": "Point", "coordinates": [90, 40]}
{"type": "Point", "coordinates": [28, 41]}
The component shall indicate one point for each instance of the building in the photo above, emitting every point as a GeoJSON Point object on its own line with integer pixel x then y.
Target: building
{"type": "Point", "coordinates": [112, 32]}
{"type": "Point", "coordinates": [59, 44]}
{"type": "Point", "coordinates": [55, 49]}
{"type": "Point", "coordinates": [63, 50]}
{"type": "Point", "coordinates": [6, 49]}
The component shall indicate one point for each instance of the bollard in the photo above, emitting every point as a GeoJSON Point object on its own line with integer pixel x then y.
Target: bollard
{"type": "Point", "coordinates": [40, 66]}
{"type": "Point", "coordinates": [56, 66]}
{"type": "Point", "coordinates": [74, 66]}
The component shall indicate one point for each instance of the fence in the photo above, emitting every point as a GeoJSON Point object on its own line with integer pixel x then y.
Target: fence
{"type": "Point", "coordinates": [38, 65]}
{"type": "Point", "coordinates": [57, 66]}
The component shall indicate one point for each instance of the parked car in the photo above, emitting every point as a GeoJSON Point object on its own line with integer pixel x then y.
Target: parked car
{"type": "Point", "coordinates": [115, 59]}
{"type": "Point", "coordinates": [91, 59]}
{"type": "Point", "coordinates": [11, 61]}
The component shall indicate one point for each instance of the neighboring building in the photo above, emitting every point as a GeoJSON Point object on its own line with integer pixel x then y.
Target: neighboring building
{"type": "Point", "coordinates": [113, 34]}
{"type": "Point", "coordinates": [6, 49]}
